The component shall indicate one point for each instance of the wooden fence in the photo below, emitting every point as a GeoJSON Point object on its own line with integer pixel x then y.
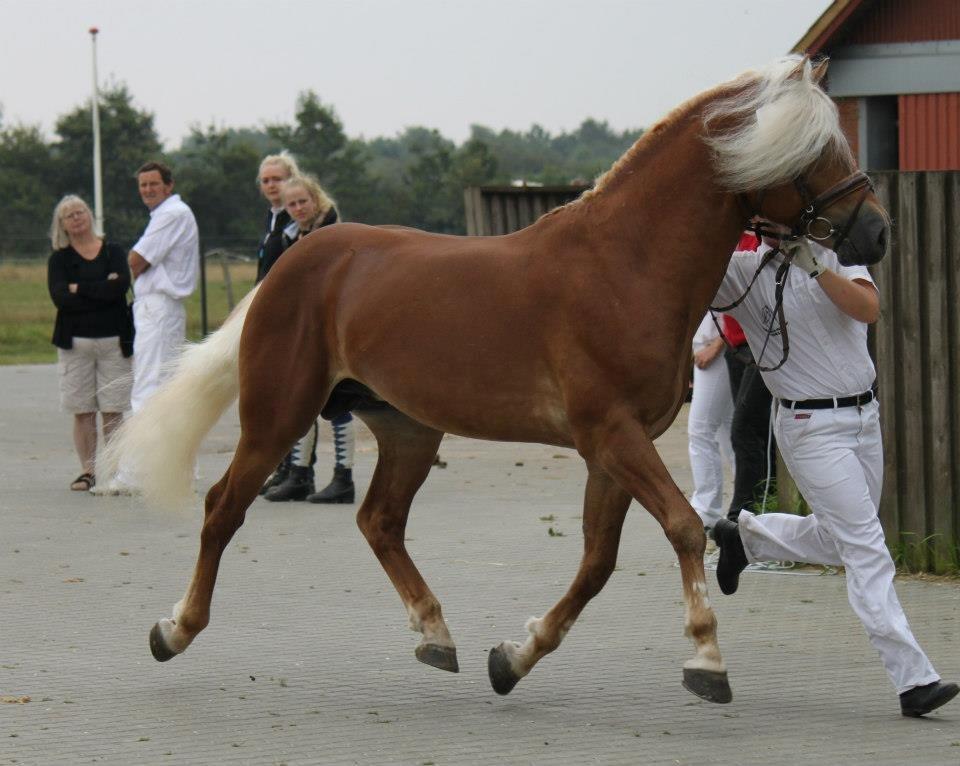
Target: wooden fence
{"type": "Point", "coordinates": [916, 345]}
{"type": "Point", "coordinates": [503, 209]}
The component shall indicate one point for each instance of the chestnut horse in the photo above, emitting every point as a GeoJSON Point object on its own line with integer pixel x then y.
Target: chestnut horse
{"type": "Point", "coordinates": [573, 332]}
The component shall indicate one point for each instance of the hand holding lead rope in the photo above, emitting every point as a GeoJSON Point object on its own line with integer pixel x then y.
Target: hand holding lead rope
{"type": "Point", "coordinates": [800, 253]}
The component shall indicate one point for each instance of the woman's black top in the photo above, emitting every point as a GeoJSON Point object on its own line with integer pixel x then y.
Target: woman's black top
{"type": "Point", "coordinates": [290, 235]}
{"type": "Point", "coordinates": [272, 246]}
{"type": "Point", "coordinates": [98, 309]}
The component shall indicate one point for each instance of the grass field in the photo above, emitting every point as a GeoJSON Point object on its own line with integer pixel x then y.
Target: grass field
{"type": "Point", "coordinates": [27, 313]}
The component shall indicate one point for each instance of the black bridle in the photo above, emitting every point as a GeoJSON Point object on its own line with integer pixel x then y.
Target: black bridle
{"type": "Point", "coordinates": [811, 223]}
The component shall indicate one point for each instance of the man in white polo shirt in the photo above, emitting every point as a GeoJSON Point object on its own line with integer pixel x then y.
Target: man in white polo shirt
{"type": "Point", "coordinates": [164, 263]}
{"type": "Point", "coordinates": [828, 430]}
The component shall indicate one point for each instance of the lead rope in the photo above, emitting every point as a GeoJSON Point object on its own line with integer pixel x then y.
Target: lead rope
{"type": "Point", "coordinates": [778, 314]}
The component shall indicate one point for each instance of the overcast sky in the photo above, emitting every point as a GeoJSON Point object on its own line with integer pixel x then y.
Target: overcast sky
{"type": "Point", "coordinates": [386, 64]}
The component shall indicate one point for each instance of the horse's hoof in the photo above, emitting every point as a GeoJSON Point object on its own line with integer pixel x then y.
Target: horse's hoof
{"type": "Point", "coordinates": [158, 647]}
{"type": "Point", "coordinates": [502, 677]}
{"type": "Point", "coordinates": [443, 657]}
{"type": "Point", "coordinates": [710, 685]}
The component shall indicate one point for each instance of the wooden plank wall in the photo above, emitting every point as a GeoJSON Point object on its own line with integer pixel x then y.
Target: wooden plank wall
{"type": "Point", "coordinates": [916, 345]}
{"type": "Point", "coordinates": [493, 210]}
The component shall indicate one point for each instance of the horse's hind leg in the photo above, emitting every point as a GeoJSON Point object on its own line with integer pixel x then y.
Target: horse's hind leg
{"type": "Point", "coordinates": [406, 452]}
{"type": "Point", "coordinates": [604, 508]}
{"type": "Point", "coordinates": [226, 506]}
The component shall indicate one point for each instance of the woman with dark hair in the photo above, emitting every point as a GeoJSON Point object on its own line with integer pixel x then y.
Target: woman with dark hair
{"type": "Point", "coordinates": [88, 280]}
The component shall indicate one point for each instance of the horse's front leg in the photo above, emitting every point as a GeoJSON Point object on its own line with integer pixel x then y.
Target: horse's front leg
{"type": "Point", "coordinates": [624, 463]}
{"type": "Point", "coordinates": [226, 505]}
{"type": "Point", "coordinates": [628, 453]}
{"type": "Point", "coordinates": [604, 508]}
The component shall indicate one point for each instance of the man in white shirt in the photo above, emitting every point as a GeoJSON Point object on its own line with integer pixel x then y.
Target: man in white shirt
{"type": "Point", "coordinates": [828, 429]}
{"type": "Point", "coordinates": [164, 263]}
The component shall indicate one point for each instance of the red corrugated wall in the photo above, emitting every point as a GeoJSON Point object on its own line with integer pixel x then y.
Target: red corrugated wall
{"type": "Point", "coordinates": [849, 109]}
{"type": "Point", "coordinates": [930, 131]}
{"type": "Point", "coordinates": [897, 21]}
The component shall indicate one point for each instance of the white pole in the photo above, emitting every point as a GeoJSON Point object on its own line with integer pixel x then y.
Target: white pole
{"type": "Point", "coordinates": [97, 174]}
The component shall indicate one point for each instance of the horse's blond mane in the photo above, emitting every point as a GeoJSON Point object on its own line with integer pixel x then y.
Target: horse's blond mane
{"type": "Point", "coordinates": [783, 123]}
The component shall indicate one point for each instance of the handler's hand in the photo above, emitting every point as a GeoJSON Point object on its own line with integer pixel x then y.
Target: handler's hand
{"type": "Point", "coordinates": [803, 256]}
{"type": "Point", "coordinates": [705, 356]}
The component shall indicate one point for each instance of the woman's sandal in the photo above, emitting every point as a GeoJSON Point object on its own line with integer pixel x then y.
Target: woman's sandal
{"type": "Point", "coordinates": [83, 483]}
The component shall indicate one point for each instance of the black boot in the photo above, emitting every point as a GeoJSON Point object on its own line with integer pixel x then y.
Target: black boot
{"type": "Point", "coordinates": [733, 559]}
{"type": "Point", "coordinates": [339, 490]}
{"type": "Point", "coordinates": [920, 700]}
{"type": "Point", "coordinates": [297, 485]}
{"type": "Point", "coordinates": [277, 477]}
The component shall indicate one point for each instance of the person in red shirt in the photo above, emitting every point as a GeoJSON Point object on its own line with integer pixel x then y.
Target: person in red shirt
{"type": "Point", "coordinates": [750, 429]}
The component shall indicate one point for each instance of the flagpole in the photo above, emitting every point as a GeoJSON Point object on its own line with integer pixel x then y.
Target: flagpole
{"type": "Point", "coordinates": [97, 173]}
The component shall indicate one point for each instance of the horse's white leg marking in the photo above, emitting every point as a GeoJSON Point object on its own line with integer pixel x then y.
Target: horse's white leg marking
{"type": "Point", "coordinates": [708, 651]}
{"type": "Point", "coordinates": [434, 631]}
{"type": "Point", "coordinates": [174, 636]}
{"type": "Point", "coordinates": [523, 657]}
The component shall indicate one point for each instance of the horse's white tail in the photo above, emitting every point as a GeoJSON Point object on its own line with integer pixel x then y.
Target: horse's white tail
{"type": "Point", "coordinates": [157, 447]}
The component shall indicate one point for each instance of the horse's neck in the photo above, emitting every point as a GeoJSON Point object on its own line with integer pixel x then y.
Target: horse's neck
{"type": "Point", "coordinates": [662, 203]}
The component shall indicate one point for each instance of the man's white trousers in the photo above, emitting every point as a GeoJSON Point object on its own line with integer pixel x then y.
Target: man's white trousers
{"type": "Point", "coordinates": [161, 324]}
{"type": "Point", "coordinates": [836, 458]}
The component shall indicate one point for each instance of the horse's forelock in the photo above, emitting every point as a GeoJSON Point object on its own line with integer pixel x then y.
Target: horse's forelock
{"type": "Point", "coordinates": [783, 123]}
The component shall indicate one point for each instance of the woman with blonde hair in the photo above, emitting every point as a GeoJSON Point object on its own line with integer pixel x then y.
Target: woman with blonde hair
{"type": "Point", "coordinates": [310, 208]}
{"type": "Point", "coordinates": [88, 280]}
{"type": "Point", "coordinates": [274, 171]}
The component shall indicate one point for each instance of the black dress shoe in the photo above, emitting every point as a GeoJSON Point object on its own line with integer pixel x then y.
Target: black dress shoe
{"type": "Point", "coordinates": [920, 700]}
{"type": "Point", "coordinates": [733, 559]}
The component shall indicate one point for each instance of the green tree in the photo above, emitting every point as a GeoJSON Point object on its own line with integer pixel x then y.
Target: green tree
{"type": "Point", "coordinates": [128, 139]}
{"type": "Point", "coordinates": [216, 171]}
{"type": "Point", "coordinates": [318, 141]}
{"type": "Point", "coordinates": [27, 191]}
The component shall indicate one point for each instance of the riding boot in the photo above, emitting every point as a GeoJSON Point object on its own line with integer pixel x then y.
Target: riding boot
{"type": "Point", "coordinates": [297, 485]}
{"type": "Point", "coordinates": [277, 477]}
{"type": "Point", "coordinates": [339, 490]}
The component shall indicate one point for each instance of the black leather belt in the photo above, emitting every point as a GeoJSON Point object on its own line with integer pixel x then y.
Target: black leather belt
{"type": "Point", "coordinates": [829, 404]}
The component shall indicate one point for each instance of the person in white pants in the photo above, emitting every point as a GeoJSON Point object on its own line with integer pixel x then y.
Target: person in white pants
{"type": "Point", "coordinates": [708, 425]}
{"type": "Point", "coordinates": [828, 429]}
{"type": "Point", "coordinates": [165, 264]}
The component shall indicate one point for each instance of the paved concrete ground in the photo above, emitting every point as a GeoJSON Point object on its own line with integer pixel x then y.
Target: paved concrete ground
{"type": "Point", "coordinates": [308, 661]}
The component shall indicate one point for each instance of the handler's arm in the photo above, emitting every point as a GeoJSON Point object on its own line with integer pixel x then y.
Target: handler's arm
{"type": "Point", "coordinates": [857, 298]}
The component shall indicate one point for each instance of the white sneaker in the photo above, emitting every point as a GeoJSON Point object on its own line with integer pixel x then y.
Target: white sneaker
{"type": "Point", "coordinates": [116, 486]}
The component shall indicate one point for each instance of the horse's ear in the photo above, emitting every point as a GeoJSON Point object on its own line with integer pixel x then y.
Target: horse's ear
{"type": "Point", "coordinates": [820, 69]}
{"type": "Point", "coordinates": [797, 72]}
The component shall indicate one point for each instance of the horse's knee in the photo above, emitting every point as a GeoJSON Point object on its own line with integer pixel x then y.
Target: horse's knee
{"type": "Point", "coordinates": [684, 529]}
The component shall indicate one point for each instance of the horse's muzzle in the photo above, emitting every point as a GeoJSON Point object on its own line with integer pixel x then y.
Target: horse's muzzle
{"type": "Point", "coordinates": [867, 241]}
